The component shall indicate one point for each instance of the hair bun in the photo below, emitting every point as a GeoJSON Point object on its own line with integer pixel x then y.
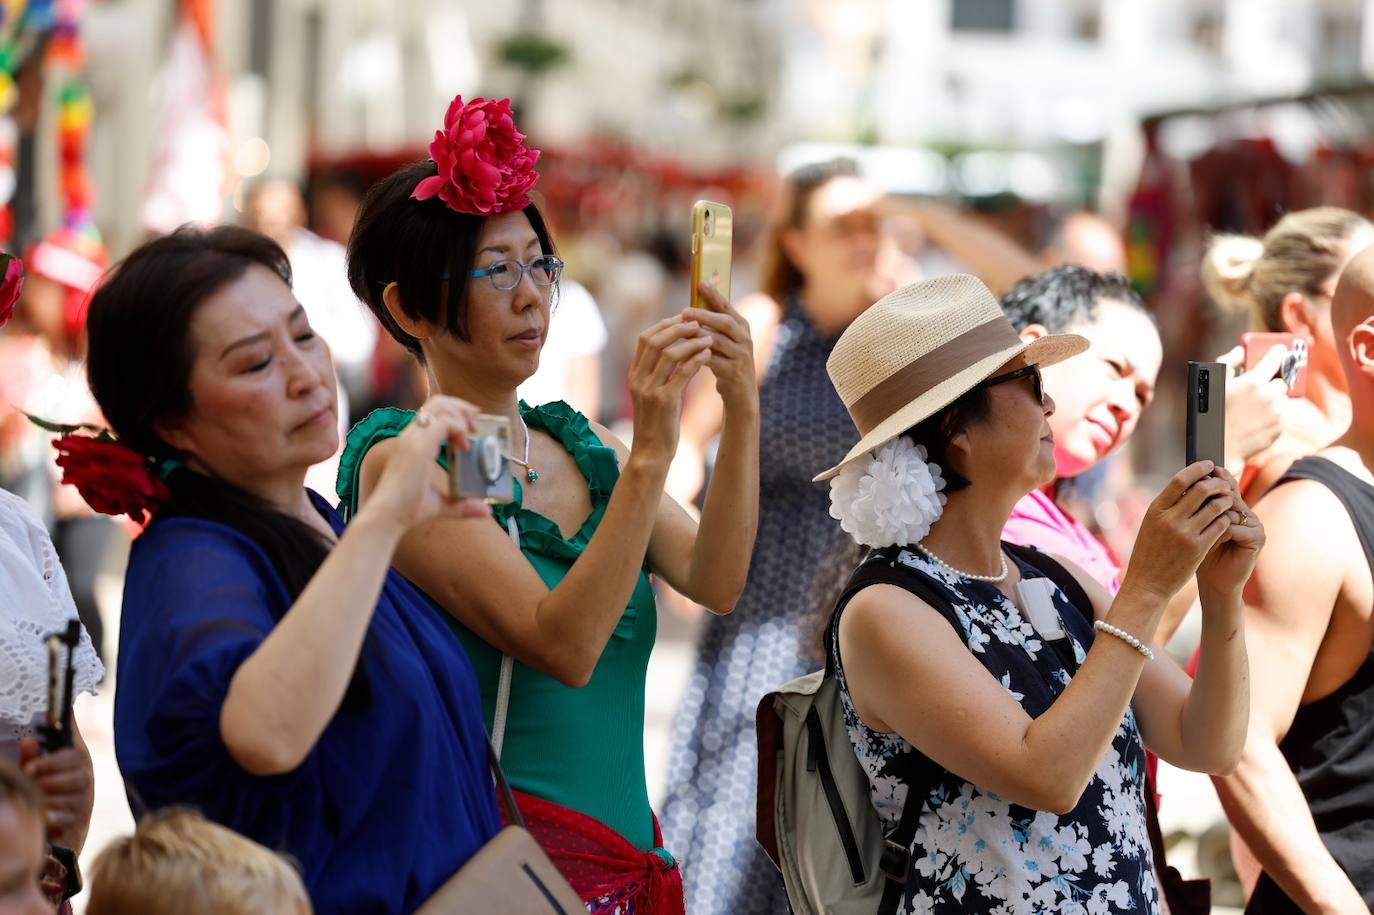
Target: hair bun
{"type": "Point", "coordinates": [1227, 269]}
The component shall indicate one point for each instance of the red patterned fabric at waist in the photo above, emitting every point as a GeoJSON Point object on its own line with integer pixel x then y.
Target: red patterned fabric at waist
{"type": "Point", "coordinates": [611, 875]}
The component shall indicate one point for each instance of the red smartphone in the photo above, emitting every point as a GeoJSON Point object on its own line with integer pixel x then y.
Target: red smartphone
{"type": "Point", "coordinates": [1293, 371]}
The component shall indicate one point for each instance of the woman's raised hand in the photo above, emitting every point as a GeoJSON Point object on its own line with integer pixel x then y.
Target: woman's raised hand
{"type": "Point", "coordinates": [1185, 521]}
{"type": "Point", "coordinates": [406, 492]}
{"type": "Point", "coordinates": [732, 351]}
{"type": "Point", "coordinates": [1227, 566]}
{"type": "Point", "coordinates": [669, 355]}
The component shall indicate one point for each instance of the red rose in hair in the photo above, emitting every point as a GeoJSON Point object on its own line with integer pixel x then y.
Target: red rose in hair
{"type": "Point", "coordinates": [484, 165]}
{"type": "Point", "coordinates": [11, 281]}
{"type": "Point", "coordinates": [112, 478]}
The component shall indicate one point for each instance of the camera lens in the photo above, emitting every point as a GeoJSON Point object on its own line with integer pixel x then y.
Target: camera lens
{"type": "Point", "coordinates": [1203, 378]}
{"type": "Point", "coordinates": [489, 458]}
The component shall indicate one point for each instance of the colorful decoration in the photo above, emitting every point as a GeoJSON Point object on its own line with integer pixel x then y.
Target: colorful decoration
{"type": "Point", "coordinates": [190, 174]}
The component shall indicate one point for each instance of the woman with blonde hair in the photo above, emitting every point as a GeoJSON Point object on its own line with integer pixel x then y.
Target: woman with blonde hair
{"type": "Point", "coordinates": [179, 863]}
{"type": "Point", "coordinates": [1284, 281]}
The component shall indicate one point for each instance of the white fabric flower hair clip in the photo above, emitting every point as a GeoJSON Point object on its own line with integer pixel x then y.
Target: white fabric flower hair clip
{"type": "Point", "coordinates": [893, 498]}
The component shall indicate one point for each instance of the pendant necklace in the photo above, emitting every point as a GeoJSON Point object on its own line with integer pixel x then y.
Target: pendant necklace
{"type": "Point", "coordinates": [531, 475]}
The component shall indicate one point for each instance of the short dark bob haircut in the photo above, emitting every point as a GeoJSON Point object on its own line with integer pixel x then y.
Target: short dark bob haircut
{"type": "Point", "coordinates": [416, 244]}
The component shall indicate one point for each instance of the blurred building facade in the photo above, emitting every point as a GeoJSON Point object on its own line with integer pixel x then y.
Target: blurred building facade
{"type": "Point", "coordinates": [711, 82]}
{"type": "Point", "coordinates": [309, 79]}
{"type": "Point", "coordinates": [1033, 74]}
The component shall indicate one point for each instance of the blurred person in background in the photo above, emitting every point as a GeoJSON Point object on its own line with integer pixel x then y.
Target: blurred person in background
{"type": "Point", "coordinates": [319, 272]}
{"type": "Point", "coordinates": [42, 372]}
{"type": "Point", "coordinates": [1101, 397]}
{"type": "Point", "coordinates": [275, 673]}
{"type": "Point", "coordinates": [334, 201]}
{"type": "Point", "coordinates": [826, 258]}
{"type": "Point", "coordinates": [38, 603]}
{"type": "Point", "coordinates": [179, 863]}
{"type": "Point", "coordinates": [1084, 238]}
{"type": "Point", "coordinates": [1303, 796]}
{"type": "Point", "coordinates": [553, 600]}
{"type": "Point", "coordinates": [1284, 282]}
{"type": "Point", "coordinates": [23, 849]}
{"type": "Point", "coordinates": [828, 253]}
{"type": "Point", "coordinates": [570, 362]}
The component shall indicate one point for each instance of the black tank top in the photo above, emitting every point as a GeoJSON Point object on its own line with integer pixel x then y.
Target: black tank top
{"type": "Point", "coordinates": [1330, 746]}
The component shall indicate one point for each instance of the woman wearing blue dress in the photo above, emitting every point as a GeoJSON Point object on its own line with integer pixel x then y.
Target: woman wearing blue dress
{"type": "Point", "coordinates": [273, 671]}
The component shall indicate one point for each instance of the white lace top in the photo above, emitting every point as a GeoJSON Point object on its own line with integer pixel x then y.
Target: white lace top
{"type": "Point", "coordinates": [35, 601]}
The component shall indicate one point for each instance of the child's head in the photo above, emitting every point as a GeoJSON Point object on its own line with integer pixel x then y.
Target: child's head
{"type": "Point", "coordinates": [23, 845]}
{"type": "Point", "coordinates": [178, 862]}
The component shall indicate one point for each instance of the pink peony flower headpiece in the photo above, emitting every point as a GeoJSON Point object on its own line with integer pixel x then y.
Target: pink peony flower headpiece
{"type": "Point", "coordinates": [485, 167]}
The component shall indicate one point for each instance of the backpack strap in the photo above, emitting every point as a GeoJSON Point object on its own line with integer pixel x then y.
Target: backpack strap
{"type": "Point", "coordinates": [880, 566]}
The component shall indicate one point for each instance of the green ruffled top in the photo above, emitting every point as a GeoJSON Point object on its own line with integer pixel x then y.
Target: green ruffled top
{"type": "Point", "coordinates": [582, 748]}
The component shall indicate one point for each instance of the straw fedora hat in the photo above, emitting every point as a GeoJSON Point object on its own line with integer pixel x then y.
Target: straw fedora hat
{"type": "Point", "coordinates": [919, 349]}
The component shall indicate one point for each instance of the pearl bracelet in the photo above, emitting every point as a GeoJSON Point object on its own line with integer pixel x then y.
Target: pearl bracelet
{"type": "Point", "coordinates": [1126, 637]}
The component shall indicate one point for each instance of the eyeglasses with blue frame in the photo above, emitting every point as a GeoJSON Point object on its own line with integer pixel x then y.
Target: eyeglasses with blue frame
{"type": "Point", "coordinates": [505, 274]}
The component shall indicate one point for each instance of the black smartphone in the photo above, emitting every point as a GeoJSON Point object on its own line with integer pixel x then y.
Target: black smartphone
{"type": "Point", "coordinates": [56, 731]}
{"type": "Point", "coordinates": [1206, 436]}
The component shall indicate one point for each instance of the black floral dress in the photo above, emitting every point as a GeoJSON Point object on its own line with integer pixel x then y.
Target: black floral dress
{"type": "Point", "coordinates": [974, 851]}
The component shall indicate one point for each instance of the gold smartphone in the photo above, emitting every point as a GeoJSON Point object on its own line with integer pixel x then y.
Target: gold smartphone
{"type": "Point", "coordinates": [712, 235]}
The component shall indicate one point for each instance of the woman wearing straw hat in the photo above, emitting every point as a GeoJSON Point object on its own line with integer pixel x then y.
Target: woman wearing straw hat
{"type": "Point", "coordinates": [1022, 718]}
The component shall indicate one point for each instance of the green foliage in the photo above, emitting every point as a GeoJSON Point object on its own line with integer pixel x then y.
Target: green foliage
{"type": "Point", "coordinates": [532, 52]}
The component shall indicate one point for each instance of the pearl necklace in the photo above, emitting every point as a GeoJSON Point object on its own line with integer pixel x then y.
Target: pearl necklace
{"type": "Point", "coordinates": [992, 579]}
{"type": "Point", "coordinates": [531, 475]}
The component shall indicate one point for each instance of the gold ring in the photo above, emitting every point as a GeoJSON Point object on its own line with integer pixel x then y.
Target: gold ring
{"type": "Point", "coordinates": [1245, 518]}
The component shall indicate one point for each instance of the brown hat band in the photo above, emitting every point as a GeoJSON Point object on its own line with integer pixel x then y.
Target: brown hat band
{"type": "Point", "coordinates": [939, 365]}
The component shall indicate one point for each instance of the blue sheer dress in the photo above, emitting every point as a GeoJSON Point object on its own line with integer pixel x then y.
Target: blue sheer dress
{"type": "Point", "coordinates": [396, 794]}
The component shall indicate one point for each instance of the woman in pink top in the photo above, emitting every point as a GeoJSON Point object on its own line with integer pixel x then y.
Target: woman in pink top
{"type": "Point", "coordinates": [1100, 396]}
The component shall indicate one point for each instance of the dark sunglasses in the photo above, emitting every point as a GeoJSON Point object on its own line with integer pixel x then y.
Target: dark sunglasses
{"type": "Point", "coordinates": [1030, 371]}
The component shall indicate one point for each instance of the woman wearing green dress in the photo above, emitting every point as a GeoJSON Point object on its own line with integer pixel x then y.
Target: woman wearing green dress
{"type": "Point", "coordinates": [465, 277]}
